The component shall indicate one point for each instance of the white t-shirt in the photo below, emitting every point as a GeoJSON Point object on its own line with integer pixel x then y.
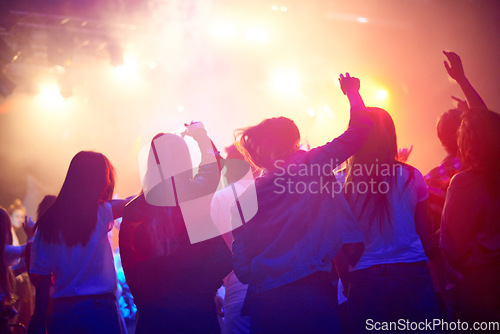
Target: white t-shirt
{"type": "Point", "coordinates": [220, 211]}
{"type": "Point", "coordinates": [398, 243]}
{"type": "Point", "coordinates": [77, 270]}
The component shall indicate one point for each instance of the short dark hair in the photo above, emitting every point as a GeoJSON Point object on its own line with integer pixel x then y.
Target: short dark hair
{"type": "Point", "coordinates": [447, 129]}
{"type": "Point", "coordinates": [479, 142]}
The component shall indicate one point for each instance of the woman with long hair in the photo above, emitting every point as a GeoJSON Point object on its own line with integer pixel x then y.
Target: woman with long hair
{"type": "Point", "coordinates": [285, 251]}
{"type": "Point", "coordinates": [389, 200]}
{"type": "Point", "coordinates": [172, 276]}
{"type": "Point", "coordinates": [6, 278]}
{"type": "Point", "coordinates": [71, 256]}
{"type": "Point", "coordinates": [470, 234]}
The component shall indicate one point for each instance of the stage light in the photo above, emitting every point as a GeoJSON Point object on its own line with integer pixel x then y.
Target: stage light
{"type": "Point", "coordinates": [180, 108]}
{"type": "Point", "coordinates": [128, 69]}
{"type": "Point", "coordinates": [381, 94]}
{"type": "Point", "coordinates": [274, 7]}
{"type": "Point", "coordinates": [286, 81]}
{"type": "Point", "coordinates": [362, 20]}
{"type": "Point", "coordinates": [328, 111]}
{"type": "Point", "coordinates": [50, 96]}
{"type": "Point", "coordinates": [311, 112]}
{"type": "Point", "coordinates": [284, 9]}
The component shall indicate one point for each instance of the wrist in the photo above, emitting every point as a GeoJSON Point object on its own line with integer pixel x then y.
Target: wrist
{"type": "Point", "coordinates": [462, 80]}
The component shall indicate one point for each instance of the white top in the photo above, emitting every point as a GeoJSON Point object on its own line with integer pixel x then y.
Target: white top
{"type": "Point", "coordinates": [398, 243]}
{"type": "Point", "coordinates": [78, 270]}
{"type": "Point", "coordinates": [220, 211]}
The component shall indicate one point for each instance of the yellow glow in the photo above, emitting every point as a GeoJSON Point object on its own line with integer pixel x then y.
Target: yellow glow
{"type": "Point", "coordinates": [381, 94]}
{"type": "Point", "coordinates": [129, 67]}
{"type": "Point", "coordinates": [286, 81]}
{"type": "Point", "coordinates": [256, 35]}
{"type": "Point", "coordinates": [223, 31]}
{"type": "Point", "coordinates": [311, 112]}
{"type": "Point", "coordinates": [49, 95]}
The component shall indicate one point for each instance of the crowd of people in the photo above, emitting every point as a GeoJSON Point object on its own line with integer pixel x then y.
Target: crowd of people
{"type": "Point", "coordinates": [342, 238]}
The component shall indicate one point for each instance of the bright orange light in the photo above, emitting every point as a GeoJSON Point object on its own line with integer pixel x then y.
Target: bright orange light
{"type": "Point", "coordinates": [128, 69]}
{"type": "Point", "coordinates": [50, 95]}
{"type": "Point", "coordinates": [381, 94]}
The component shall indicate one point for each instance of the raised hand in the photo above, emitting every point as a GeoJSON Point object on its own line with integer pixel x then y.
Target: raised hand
{"type": "Point", "coordinates": [195, 130]}
{"type": "Point", "coordinates": [454, 68]}
{"type": "Point", "coordinates": [348, 83]}
{"type": "Point", "coordinates": [29, 226]}
{"type": "Point", "coordinates": [404, 153]}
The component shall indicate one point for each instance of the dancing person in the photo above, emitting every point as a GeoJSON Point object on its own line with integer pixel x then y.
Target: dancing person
{"type": "Point", "coordinates": [234, 321]}
{"type": "Point", "coordinates": [438, 179]}
{"type": "Point", "coordinates": [389, 200]}
{"type": "Point", "coordinates": [6, 279]}
{"type": "Point", "coordinates": [17, 213]}
{"type": "Point", "coordinates": [445, 278]}
{"type": "Point", "coordinates": [285, 251]}
{"type": "Point", "coordinates": [173, 280]}
{"type": "Point", "coordinates": [71, 256]}
{"type": "Point", "coordinates": [470, 231]}
{"type": "Point", "coordinates": [15, 251]}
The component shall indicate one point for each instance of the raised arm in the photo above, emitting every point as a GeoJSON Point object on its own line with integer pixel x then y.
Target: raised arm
{"type": "Point", "coordinates": [360, 124]}
{"type": "Point", "coordinates": [455, 69]}
{"type": "Point", "coordinates": [207, 176]}
{"type": "Point", "coordinates": [350, 87]}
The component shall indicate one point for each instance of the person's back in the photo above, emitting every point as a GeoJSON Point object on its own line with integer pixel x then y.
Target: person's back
{"type": "Point", "coordinates": [396, 241]}
{"type": "Point", "coordinates": [389, 200]}
{"type": "Point", "coordinates": [174, 291]}
{"type": "Point", "coordinates": [285, 251]}
{"type": "Point", "coordinates": [71, 258]}
{"type": "Point", "coordinates": [174, 279]}
{"type": "Point", "coordinates": [470, 234]}
{"type": "Point", "coordinates": [474, 215]}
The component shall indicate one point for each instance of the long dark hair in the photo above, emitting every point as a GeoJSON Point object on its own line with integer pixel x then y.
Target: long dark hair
{"type": "Point", "coordinates": [379, 153]}
{"type": "Point", "coordinates": [166, 230]}
{"type": "Point", "coordinates": [90, 181]}
{"type": "Point", "coordinates": [5, 276]}
{"type": "Point", "coordinates": [270, 140]}
{"type": "Point", "coordinates": [479, 145]}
